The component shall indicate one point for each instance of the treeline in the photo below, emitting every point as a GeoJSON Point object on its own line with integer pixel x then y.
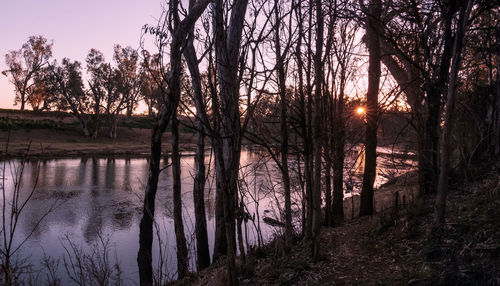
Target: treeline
{"type": "Point", "coordinates": [94, 98]}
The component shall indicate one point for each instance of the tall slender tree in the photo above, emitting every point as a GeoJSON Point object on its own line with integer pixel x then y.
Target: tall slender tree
{"type": "Point", "coordinates": [373, 32]}
{"type": "Point", "coordinates": [171, 97]}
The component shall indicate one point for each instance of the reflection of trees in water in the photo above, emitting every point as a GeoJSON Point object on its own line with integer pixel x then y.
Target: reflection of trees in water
{"type": "Point", "coordinates": [126, 175]}
{"type": "Point", "coordinates": [60, 174]}
{"type": "Point", "coordinates": [94, 222]}
{"type": "Point", "coordinates": [110, 175]}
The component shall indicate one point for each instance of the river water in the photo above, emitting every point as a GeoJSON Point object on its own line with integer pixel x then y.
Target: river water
{"type": "Point", "coordinates": [82, 202]}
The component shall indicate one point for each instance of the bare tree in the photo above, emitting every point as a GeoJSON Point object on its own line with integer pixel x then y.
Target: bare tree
{"type": "Point", "coordinates": [228, 144]}
{"type": "Point", "coordinates": [202, 123]}
{"type": "Point", "coordinates": [440, 206]}
{"type": "Point", "coordinates": [373, 32]}
{"type": "Point", "coordinates": [180, 30]}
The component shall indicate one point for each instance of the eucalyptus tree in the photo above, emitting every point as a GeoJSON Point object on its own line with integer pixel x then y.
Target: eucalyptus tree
{"type": "Point", "coordinates": [202, 124]}
{"type": "Point", "coordinates": [66, 83]}
{"type": "Point", "coordinates": [102, 86]}
{"type": "Point", "coordinates": [127, 67]}
{"type": "Point", "coordinates": [373, 31]}
{"type": "Point", "coordinates": [179, 30]}
{"type": "Point", "coordinates": [149, 84]}
{"type": "Point", "coordinates": [23, 66]}
{"type": "Point", "coordinates": [227, 146]}
{"type": "Point", "coordinates": [463, 19]}
{"type": "Point", "coordinates": [344, 47]}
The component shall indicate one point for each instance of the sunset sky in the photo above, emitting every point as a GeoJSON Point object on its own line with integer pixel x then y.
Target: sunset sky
{"type": "Point", "coordinates": [74, 26]}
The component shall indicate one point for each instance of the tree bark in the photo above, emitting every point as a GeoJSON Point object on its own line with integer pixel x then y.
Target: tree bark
{"type": "Point", "coordinates": [144, 256]}
{"type": "Point", "coordinates": [328, 192]}
{"type": "Point", "coordinates": [280, 67]}
{"type": "Point", "coordinates": [227, 48]}
{"type": "Point", "coordinates": [318, 78]}
{"type": "Point", "coordinates": [373, 32]}
{"type": "Point", "coordinates": [440, 206]}
{"type": "Point", "coordinates": [180, 237]}
{"type": "Point", "coordinates": [496, 125]}
{"type": "Point", "coordinates": [338, 157]}
{"type": "Point", "coordinates": [202, 247]}
{"type": "Point", "coordinates": [171, 99]}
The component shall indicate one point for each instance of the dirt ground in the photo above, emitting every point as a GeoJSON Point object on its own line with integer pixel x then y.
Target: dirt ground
{"type": "Point", "coordinates": [394, 247]}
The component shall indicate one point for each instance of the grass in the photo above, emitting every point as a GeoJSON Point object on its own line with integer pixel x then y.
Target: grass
{"type": "Point", "coordinates": [7, 123]}
{"type": "Point", "coordinates": [57, 134]}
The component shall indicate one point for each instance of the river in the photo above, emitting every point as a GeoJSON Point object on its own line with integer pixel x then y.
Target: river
{"type": "Point", "coordinates": [98, 200]}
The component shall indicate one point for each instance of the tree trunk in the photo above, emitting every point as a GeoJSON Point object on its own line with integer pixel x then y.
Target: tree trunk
{"type": "Point", "coordinates": [304, 131]}
{"type": "Point", "coordinates": [171, 99]}
{"type": "Point", "coordinates": [440, 206]}
{"type": "Point", "coordinates": [373, 32]}
{"type": "Point", "coordinates": [23, 101]}
{"type": "Point", "coordinates": [428, 165]}
{"type": "Point", "coordinates": [239, 218]}
{"type": "Point", "coordinates": [220, 244]}
{"type": "Point", "coordinates": [180, 237]}
{"type": "Point", "coordinates": [338, 160]}
{"type": "Point", "coordinates": [227, 48]}
{"type": "Point", "coordinates": [202, 247]}
{"type": "Point", "coordinates": [496, 125]}
{"type": "Point", "coordinates": [328, 192]}
{"type": "Point", "coordinates": [280, 67]}
{"type": "Point", "coordinates": [144, 258]}
{"type": "Point", "coordinates": [318, 74]}
{"type": "Point", "coordinates": [113, 127]}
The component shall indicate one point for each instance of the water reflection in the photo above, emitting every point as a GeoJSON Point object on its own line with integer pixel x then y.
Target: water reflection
{"type": "Point", "coordinates": [105, 196]}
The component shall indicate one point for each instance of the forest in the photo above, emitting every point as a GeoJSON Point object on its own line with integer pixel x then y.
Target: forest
{"type": "Point", "coordinates": [307, 84]}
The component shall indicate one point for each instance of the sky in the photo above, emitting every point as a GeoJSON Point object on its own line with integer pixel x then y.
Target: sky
{"type": "Point", "coordinates": [74, 26]}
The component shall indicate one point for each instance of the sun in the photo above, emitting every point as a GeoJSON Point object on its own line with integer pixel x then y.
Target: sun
{"type": "Point", "coordinates": [360, 110]}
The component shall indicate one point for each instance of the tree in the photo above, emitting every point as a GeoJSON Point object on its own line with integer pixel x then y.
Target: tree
{"type": "Point", "coordinates": [65, 81]}
{"type": "Point", "coordinates": [343, 48]}
{"type": "Point", "coordinates": [126, 60]}
{"type": "Point", "coordinates": [440, 206]}
{"type": "Point", "coordinates": [228, 144]}
{"type": "Point", "coordinates": [202, 123]}
{"type": "Point", "coordinates": [149, 84]}
{"type": "Point", "coordinates": [373, 32]}
{"type": "Point", "coordinates": [103, 86]}
{"type": "Point", "coordinates": [318, 81]}
{"type": "Point", "coordinates": [171, 97]}
{"type": "Point", "coordinates": [281, 78]}
{"type": "Point", "coordinates": [24, 64]}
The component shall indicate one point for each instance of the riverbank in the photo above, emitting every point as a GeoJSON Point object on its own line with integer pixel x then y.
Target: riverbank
{"type": "Point", "coordinates": [47, 143]}
{"type": "Point", "coordinates": [57, 135]}
{"type": "Point", "coordinates": [394, 247]}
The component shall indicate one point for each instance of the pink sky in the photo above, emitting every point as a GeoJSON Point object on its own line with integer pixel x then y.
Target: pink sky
{"type": "Point", "coordinates": [74, 26]}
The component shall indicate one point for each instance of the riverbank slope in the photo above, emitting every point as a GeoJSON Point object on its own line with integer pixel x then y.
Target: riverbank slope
{"type": "Point", "coordinates": [57, 134]}
{"type": "Point", "coordinates": [395, 247]}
